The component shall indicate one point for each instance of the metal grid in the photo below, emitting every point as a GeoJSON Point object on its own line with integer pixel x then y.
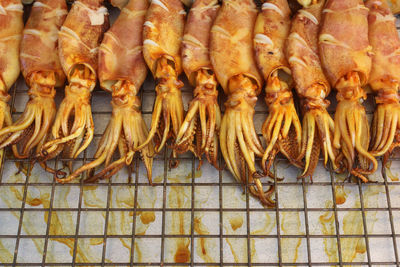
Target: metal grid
{"type": "Point", "coordinates": [276, 245]}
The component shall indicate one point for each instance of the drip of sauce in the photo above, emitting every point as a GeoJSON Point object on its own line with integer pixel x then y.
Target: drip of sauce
{"type": "Point", "coordinates": [147, 217]}
{"type": "Point", "coordinates": [204, 245]}
{"type": "Point", "coordinates": [353, 249]}
{"type": "Point", "coordinates": [340, 194]}
{"type": "Point", "coordinates": [236, 222]}
{"type": "Point", "coordinates": [327, 221]}
{"type": "Point", "coordinates": [290, 224]}
{"type": "Point", "coordinates": [182, 253]}
{"type": "Point", "coordinates": [177, 198]}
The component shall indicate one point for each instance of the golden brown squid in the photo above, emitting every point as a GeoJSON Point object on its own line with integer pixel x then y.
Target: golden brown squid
{"type": "Point", "coordinates": [11, 26]}
{"type": "Point", "coordinates": [122, 71]}
{"type": "Point", "coordinates": [79, 39]}
{"type": "Point", "coordinates": [203, 110]}
{"type": "Point", "coordinates": [282, 128]}
{"type": "Point", "coordinates": [119, 3]}
{"type": "Point", "coordinates": [312, 87]}
{"type": "Point", "coordinates": [42, 71]}
{"type": "Point", "coordinates": [385, 77]}
{"type": "Point", "coordinates": [162, 35]}
{"type": "Point", "coordinates": [234, 65]}
{"type": "Point", "coordinates": [394, 6]}
{"type": "Point", "coordinates": [345, 55]}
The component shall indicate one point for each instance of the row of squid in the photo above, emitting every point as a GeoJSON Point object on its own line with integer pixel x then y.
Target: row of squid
{"type": "Point", "coordinates": [343, 44]}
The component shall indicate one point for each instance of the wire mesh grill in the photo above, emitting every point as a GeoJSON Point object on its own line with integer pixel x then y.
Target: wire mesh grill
{"type": "Point", "coordinates": [190, 217]}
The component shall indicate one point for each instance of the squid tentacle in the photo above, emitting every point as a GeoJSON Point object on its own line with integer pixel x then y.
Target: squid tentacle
{"type": "Point", "coordinates": [168, 105]}
{"type": "Point", "coordinates": [204, 112]}
{"type": "Point", "coordinates": [38, 116]}
{"type": "Point", "coordinates": [281, 119]}
{"type": "Point", "coordinates": [125, 130]}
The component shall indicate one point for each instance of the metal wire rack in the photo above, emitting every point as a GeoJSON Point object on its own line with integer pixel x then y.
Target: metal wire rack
{"type": "Point", "coordinates": [200, 218]}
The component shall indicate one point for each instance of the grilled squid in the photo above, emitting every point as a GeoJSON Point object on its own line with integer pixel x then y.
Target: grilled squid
{"type": "Point", "coordinates": [122, 71]}
{"type": "Point", "coordinates": [199, 131]}
{"type": "Point", "coordinates": [12, 24]}
{"type": "Point", "coordinates": [345, 55]}
{"type": "Point", "coordinates": [394, 6]}
{"type": "Point", "coordinates": [385, 78]}
{"type": "Point", "coordinates": [42, 71]}
{"type": "Point", "coordinates": [162, 38]}
{"type": "Point", "coordinates": [234, 65]}
{"type": "Point", "coordinates": [282, 128]}
{"type": "Point", "coordinates": [312, 87]}
{"type": "Point", "coordinates": [78, 43]}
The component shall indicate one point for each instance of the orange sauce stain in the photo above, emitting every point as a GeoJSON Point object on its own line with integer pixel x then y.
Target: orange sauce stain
{"type": "Point", "coordinates": [290, 225]}
{"type": "Point", "coordinates": [327, 221]}
{"type": "Point", "coordinates": [340, 194]}
{"type": "Point", "coordinates": [354, 249]}
{"type": "Point", "coordinates": [35, 202]}
{"type": "Point", "coordinates": [203, 244]}
{"type": "Point", "coordinates": [176, 199]}
{"type": "Point", "coordinates": [236, 222]}
{"type": "Point", "coordinates": [138, 253]}
{"type": "Point", "coordinates": [147, 217]}
{"type": "Point", "coordinates": [182, 254]}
